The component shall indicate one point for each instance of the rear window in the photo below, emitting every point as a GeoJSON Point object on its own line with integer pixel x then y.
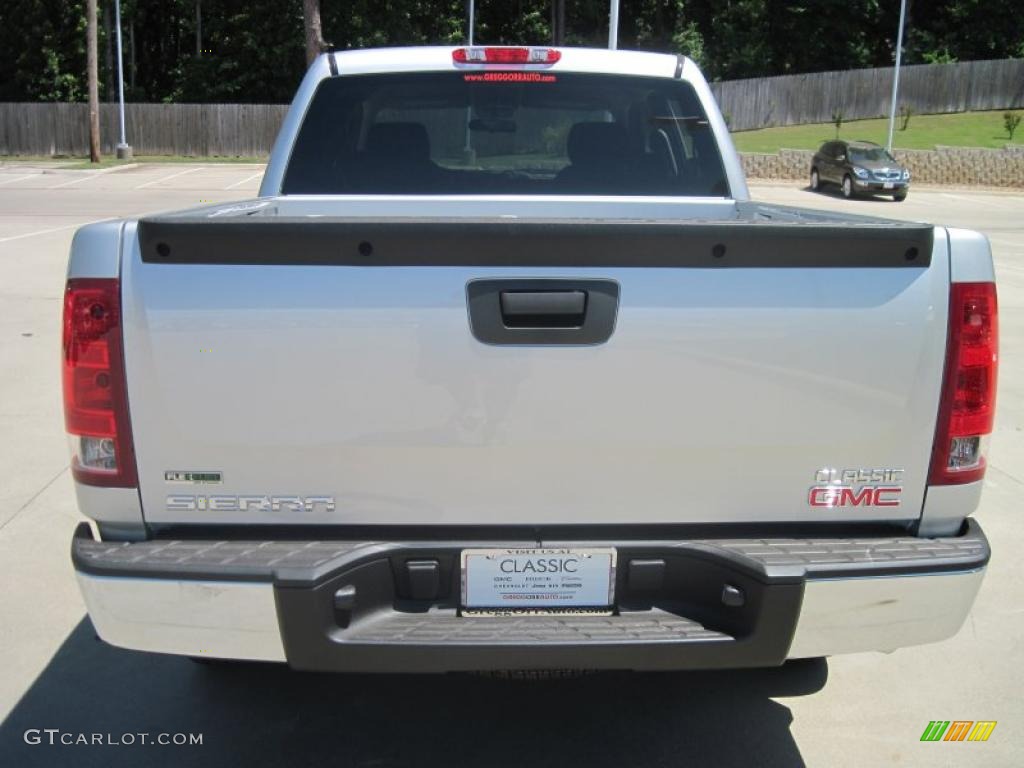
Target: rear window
{"type": "Point", "coordinates": [505, 133]}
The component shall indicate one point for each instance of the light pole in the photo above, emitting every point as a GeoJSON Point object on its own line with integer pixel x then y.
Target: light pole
{"type": "Point", "coordinates": [124, 152]}
{"type": "Point", "coordinates": [613, 25]}
{"type": "Point", "coordinates": [896, 75]}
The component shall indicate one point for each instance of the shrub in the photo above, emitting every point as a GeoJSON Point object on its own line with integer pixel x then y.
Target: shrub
{"type": "Point", "coordinates": [837, 119]}
{"type": "Point", "coordinates": [1011, 120]}
{"type": "Point", "coordinates": [905, 114]}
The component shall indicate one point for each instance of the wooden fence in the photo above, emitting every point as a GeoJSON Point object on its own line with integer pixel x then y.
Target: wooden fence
{"type": "Point", "coordinates": [152, 129]}
{"type": "Point", "coordinates": [865, 93]}
{"type": "Point", "coordinates": [250, 129]}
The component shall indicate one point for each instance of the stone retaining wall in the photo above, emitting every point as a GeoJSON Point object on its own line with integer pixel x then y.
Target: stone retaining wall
{"type": "Point", "coordinates": [943, 165]}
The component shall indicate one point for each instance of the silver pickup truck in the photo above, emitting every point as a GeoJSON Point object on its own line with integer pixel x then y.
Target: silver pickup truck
{"type": "Point", "coordinates": [504, 370]}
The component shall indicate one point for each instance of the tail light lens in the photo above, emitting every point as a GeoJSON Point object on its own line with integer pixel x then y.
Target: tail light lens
{"type": "Point", "coordinates": [95, 396]}
{"type": "Point", "coordinates": [967, 409]}
{"type": "Point", "coordinates": [499, 55]}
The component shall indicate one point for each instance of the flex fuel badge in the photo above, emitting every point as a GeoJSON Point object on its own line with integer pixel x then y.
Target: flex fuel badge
{"type": "Point", "coordinates": [193, 478]}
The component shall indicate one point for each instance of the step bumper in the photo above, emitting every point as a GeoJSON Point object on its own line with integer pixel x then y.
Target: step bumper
{"type": "Point", "coordinates": [279, 601]}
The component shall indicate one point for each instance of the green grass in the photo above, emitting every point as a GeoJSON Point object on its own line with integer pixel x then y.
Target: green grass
{"type": "Point", "coordinates": [107, 161]}
{"type": "Point", "coordinates": [968, 129]}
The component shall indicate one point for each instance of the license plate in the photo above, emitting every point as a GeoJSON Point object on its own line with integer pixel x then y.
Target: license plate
{"type": "Point", "coordinates": [888, 185]}
{"type": "Point", "coordinates": [538, 578]}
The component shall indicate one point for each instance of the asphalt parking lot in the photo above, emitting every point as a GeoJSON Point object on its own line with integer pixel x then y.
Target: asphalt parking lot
{"type": "Point", "coordinates": [866, 709]}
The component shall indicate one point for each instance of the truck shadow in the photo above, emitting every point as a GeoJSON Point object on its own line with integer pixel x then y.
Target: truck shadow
{"type": "Point", "coordinates": [253, 714]}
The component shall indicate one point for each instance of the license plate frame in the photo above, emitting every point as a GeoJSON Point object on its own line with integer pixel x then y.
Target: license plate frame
{"type": "Point", "coordinates": [499, 579]}
{"type": "Point", "coordinates": [888, 185]}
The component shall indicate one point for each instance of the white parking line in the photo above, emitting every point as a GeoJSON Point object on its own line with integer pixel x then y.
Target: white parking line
{"type": "Point", "coordinates": [54, 229]}
{"type": "Point", "coordinates": [172, 176]}
{"type": "Point", "coordinates": [93, 175]}
{"type": "Point", "coordinates": [990, 202]}
{"type": "Point", "coordinates": [243, 181]}
{"type": "Point", "coordinates": [18, 178]}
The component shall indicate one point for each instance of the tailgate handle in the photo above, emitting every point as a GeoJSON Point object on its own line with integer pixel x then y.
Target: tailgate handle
{"type": "Point", "coordinates": [576, 311]}
{"type": "Point", "coordinates": [543, 309]}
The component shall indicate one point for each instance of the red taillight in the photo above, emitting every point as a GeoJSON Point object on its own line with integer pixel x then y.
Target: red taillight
{"type": "Point", "coordinates": [95, 396]}
{"type": "Point", "coordinates": [496, 55]}
{"type": "Point", "coordinates": [968, 404]}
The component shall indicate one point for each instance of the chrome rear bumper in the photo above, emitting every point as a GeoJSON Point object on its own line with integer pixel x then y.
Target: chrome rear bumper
{"type": "Point", "coordinates": [277, 601]}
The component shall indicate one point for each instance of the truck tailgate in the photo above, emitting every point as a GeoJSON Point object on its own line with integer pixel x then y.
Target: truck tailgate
{"type": "Point", "coordinates": [327, 371]}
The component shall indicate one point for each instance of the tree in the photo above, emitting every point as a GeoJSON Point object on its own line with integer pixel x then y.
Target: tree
{"type": "Point", "coordinates": [740, 39]}
{"type": "Point", "coordinates": [688, 41]}
{"type": "Point", "coordinates": [93, 76]}
{"type": "Point", "coordinates": [315, 44]}
{"type": "Point", "coordinates": [906, 112]}
{"type": "Point", "coordinates": [1011, 120]}
{"type": "Point", "coordinates": [798, 42]}
{"type": "Point", "coordinates": [837, 120]}
{"type": "Point", "coordinates": [108, 52]}
{"type": "Point", "coordinates": [558, 22]}
{"type": "Point", "coordinates": [236, 51]}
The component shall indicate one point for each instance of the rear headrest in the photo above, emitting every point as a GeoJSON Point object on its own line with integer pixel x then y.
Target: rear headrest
{"type": "Point", "coordinates": [593, 142]}
{"type": "Point", "coordinates": [404, 141]}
